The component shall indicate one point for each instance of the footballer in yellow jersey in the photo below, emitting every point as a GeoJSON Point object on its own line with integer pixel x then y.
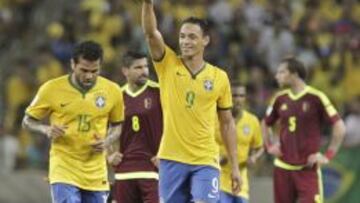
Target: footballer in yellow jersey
{"type": "Point", "coordinates": [80, 106]}
{"type": "Point", "coordinates": [194, 94]}
{"type": "Point", "coordinates": [249, 140]}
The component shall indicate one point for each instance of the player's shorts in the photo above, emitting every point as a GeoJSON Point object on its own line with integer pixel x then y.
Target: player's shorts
{"type": "Point", "coordinates": [182, 183]}
{"type": "Point", "coordinates": [65, 193]}
{"type": "Point", "coordinates": [301, 186]}
{"type": "Point", "coordinates": [229, 198]}
{"type": "Point", "coordinates": [136, 191]}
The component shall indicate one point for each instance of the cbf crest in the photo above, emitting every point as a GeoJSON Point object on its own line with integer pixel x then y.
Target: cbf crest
{"type": "Point", "coordinates": [208, 85]}
{"type": "Point", "coordinates": [305, 106]}
{"type": "Point", "coordinates": [100, 101]}
{"type": "Point", "coordinates": [147, 103]}
{"type": "Point", "coordinates": [246, 130]}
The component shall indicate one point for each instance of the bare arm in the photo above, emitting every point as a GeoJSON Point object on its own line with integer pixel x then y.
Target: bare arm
{"type": "Point", "coordinates": [338, 134]}
{"type": "Point", "coordinates": [272, 143]}
{"type": "Point", "coordinates": [228, 133]}
{"type": "Point", "coordinates": [152, 34]}
{"type": "Point", "coordinates": [34, 125]}
{"type": "Point", "coordinates": [113, 135]}
{"type": "Point", "coordinates": [255, 155]}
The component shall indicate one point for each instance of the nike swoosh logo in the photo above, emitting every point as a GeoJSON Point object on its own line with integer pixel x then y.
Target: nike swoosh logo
{"type": "Point", "coordinates": [179, 74]}
{"type": "Point", "coordinates": [64, 104]}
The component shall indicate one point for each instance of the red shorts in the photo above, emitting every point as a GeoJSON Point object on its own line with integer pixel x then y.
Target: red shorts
{"type": "Point", "coordinates": [136, 191]}
{"type": "Point", "coordinates": [302, 186]}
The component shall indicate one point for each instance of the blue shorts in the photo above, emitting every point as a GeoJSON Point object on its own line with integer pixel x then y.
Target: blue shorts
{"type": "Point", "coordinates": [229, 198]}
{"type": "Point", "coordinates": [183, 183]}
{"type": "Point", "coordinates": [65, 193]}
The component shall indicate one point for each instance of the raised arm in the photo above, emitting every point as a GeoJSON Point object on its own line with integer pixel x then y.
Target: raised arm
{"type": "Point", "coordinates": [152, 34]}
{"type": "Point", "coordinates": [228, 133]}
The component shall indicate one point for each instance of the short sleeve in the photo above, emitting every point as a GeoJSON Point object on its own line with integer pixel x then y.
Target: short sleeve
{"type": "Point", "coordinates": [257, 138]}
{"type": "Point", "coordinates": [225, 100]}
{"type": "Point", "coordinates": [272, 112]}
{"type": "Point", "coordinates": [329, 112]}
{"type": "Point", "coordinates": [117, 112]}
{"type": "Point", "coordinates": [165, 62]}
{"type": "Point", "coordinates": [40, 106]}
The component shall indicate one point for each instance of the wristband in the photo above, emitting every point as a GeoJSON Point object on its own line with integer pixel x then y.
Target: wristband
{"type": "Point", "coordinates": [329, 154]}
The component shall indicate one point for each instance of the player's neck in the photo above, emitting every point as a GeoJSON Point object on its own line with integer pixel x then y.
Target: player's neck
{"type": "Point", "coordinates": [194, 63]}
{"type": "Point", "coordinates": [298, 86]}
{"type": "Point", "coordinates": [134, 87]}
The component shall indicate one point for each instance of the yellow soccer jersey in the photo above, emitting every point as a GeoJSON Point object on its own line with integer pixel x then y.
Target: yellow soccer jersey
{"type": "Point", "coordinates": [190, 104]}
{"type": "Point", "coordinates": [85, 114]}
{"type": "Point", "coordinates": [248, 136]}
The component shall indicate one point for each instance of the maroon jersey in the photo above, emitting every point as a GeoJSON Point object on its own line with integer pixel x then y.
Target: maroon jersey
{"type": "Point", "coordinates": [301, 118]}
{"type": "Point", "coordinates": [142, 128]}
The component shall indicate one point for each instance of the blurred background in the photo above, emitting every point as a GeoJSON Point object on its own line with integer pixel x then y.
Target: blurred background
{"type": "Point", "coordinates": [248, 39]}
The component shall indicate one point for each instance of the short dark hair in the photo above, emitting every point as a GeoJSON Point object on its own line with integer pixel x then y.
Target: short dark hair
{"type": "Point", "coordinates": [295, 66]}
{"type": "Point", "coordinates": [202, 23]}
{"type": "Point", "coordinates": [129, 57]}
{"type": "Point", "coordinates": [88, 50]}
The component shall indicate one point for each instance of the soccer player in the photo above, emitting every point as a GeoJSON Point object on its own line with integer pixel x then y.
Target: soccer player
{"type": "Point", "coordinates": [249, 140]}
{"type": "Point", "coordinates": [192, 93]}
{"type": "Point", "coordinates": [136, 177]}
{"type": "Point", "coordinates": [302, 112]}
{"type": "Point", "coordinates": [80, 107]}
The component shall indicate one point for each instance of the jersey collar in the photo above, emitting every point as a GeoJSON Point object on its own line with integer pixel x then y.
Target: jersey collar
{"type": "Point", "coordinates": [298, 95]}
{"type": "Point", "coordinates": [136, 93]}
{"type": "Point", "coordinates": [193, 75]}
{"type": "Point", "coordinates": [81, 90]}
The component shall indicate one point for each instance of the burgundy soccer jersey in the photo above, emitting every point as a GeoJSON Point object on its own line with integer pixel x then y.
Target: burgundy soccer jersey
{"type": "Point", "coordinates": [301, 119]}
{"type": "Point", "coordinates": [142, 129]}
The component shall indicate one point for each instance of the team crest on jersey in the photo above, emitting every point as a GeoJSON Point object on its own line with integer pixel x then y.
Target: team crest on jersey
{"type": "Point", "coordinates": [283, 107]}
{"type": "Point", "coordinates": [147, 103]}
{"type": "Point", "coordinates": [208, 85]}
{"type": "Point", "coordinates": [100, 101]}
{"type": "Point", "coordinates": [246, 130]}
{"type": "Point", "coordinates": [305, 106]}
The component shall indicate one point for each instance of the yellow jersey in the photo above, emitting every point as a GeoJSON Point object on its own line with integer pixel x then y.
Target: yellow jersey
{"type": "Point", "coordinates": [85, 114]}
{"type": "Point", "coordinates": [190, 103]}
{"type": "Point", "coordinates": [248, 137]}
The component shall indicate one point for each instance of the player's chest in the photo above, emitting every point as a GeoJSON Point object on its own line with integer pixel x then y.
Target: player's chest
{"type": "Point", "coordinates": [304, 109]}
{"type": "Point", "coordinates": [244, 132]}
{"type": "Point", "coordinates": [203, 85]}
{"type": "Point", "coordinates": [94, 103]}
{"type": "Point", "coordinates": [145, 105]}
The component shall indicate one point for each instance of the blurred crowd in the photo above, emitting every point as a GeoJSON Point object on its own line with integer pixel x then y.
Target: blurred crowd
{"type": "Point", "coordinates": [248, 39]}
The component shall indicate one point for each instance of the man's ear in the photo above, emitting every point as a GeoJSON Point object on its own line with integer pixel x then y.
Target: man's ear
{"type": "Point", "coordinates": [124, 71]}
{"type": "Point", "coordinates": [206, 40]}
{"type": "Point", "coordinates": [72, 64]}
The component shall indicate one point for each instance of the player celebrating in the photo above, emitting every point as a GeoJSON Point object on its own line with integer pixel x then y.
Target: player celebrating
{"type": "Point", "coordinates": [135, 171]}
{"type": "Point", "coordinates": [193, 92]}
{"type": "Point", "coordinates": [79, 107]}
{"type": "Point", "coordinates": [249, 140]}
{"type": "Point", "coordinates": [301, 110]}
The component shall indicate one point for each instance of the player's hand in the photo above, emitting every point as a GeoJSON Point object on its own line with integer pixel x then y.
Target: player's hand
{"type": "Point", "coordinates": [55, 131]}
{"type": "Point", "coordinates": [236, 181]}
{"type": "Point", "coordinates": [99, 144]}
{"type": "Point", "coordinates": [252, 160]}
{"type": "Point", "coordinates": [274, 149]}
{"type": "Point", "coordinates": [155, 161]}
{"type": "Point", "coordinates": [317, 159]}
{"type": "Point", "coordinates": [115, 158]}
